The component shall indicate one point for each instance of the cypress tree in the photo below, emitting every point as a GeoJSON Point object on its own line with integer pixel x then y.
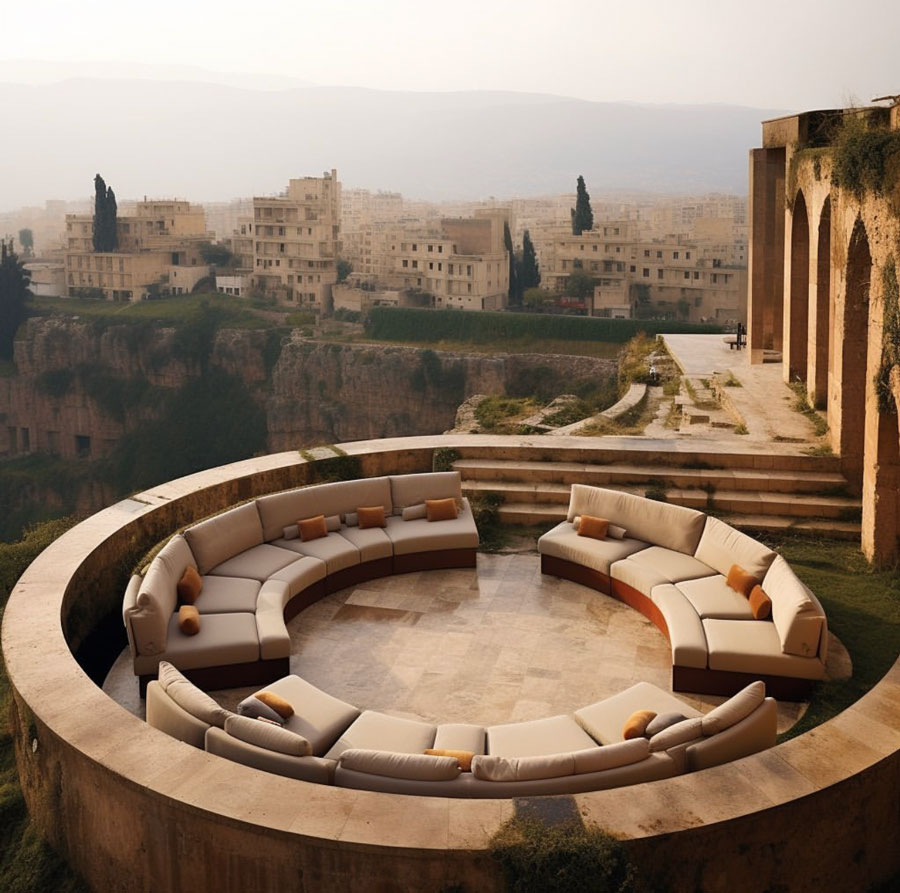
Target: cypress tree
{"type": "Point", "coordinates": [112, 238]}
{"type": "Point", "coordinates": [14, 281]}
{"type": "Point", "coordinates": [515, 292]}
{"type": "Point", "coordinates": [530, 274]}
{"type": "Point", "coordinates": [582, 215]}
{"type": "Point", "coordinates": [99, 213]}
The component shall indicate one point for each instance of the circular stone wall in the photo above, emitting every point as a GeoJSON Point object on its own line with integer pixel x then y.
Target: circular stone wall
{"type": "Point", "coordinates": [132, 808]}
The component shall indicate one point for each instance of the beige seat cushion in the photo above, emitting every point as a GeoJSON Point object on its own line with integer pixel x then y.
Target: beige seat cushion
{"type": "Point", "coordinates": [796, 612]}
{"type": "Point", "coordinates": [318, 716]}
{"type": "Point", "coordinates": [377, 731]}
{"type": "Point", "coordinates": [274, 639]}
{"type": "Point", "coordinates": [686, 636]}
{"type": "Point", "coordinates": [721, 546]}
{"type": "Point", "coordinates": [217, 539]}
{"type": "Point", "coordinates": [540, 737]}
{"type": "Point", "coordinates": [564, 542]}
{"type": "Point", "coordinates": [754, 647]}
{"type": "Point", "coordinates": [373, 543]}
{"type": "Point", "coordinates": [671, 526]}
{"type": "Point", "coordinates": [712, 597]}
{"type": "Point", "coordinates": [299, 574]}
{"type": "Point", "coordinates": [417, 766]}
{"type": "Point", "coordinates": [409, 537]}
{"type": "Point", "coordinates": [604, 720]}
{"type": "Point", "coordinates": [460, 736]}
{"type": "Point", "coordinates": [656, 565]}
{"type": "Point", "coordinates": [228, 595]}
{"type": "Point", "coordinates": [223, 639]}
{"type": "Point", "coordinates": [256, 563]}
{"type": "Point", "coordinates": [336, 551]}
{"type": "Point", "coordinates": [412, 489]}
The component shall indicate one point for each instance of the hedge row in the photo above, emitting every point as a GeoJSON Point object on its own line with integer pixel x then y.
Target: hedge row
{"type": "Point", "coordinates": [406, 324]}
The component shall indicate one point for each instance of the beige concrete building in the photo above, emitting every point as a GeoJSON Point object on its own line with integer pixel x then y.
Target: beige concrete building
{"type": "Point", "coordinates": [158, 253]}
{"type": "Point", "coordinates": [296, 242]}
{"type": "Point", "coordinates": [824, 295]}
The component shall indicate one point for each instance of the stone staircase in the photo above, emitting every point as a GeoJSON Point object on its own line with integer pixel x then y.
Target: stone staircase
{"type": "Point", "coordinates": [806, 494]}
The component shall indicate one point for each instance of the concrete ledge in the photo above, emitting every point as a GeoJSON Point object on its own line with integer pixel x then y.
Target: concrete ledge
{"type": "Point", "coordinates": [635, 396]}
{"type": "Point", "coordinates": [132, 808]}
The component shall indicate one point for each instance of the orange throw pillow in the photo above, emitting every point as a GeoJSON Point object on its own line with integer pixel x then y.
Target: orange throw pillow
{"type": "Point", "coordinates": [595, 528]}
{"type": "Point", "coordinates": [189, 620]}
{"type": "Point", "coordinates": [740, 581]}
{"type": "Point", "coordinates": [637, 723]}
{"type": "Point", "coordinates": [313, 528]}
{"type": "Point", "coordinates": [189, 586]}
{"type": "Point", "coordinates": [441, 510]}
{"type": "Point", "coordinates": [371, 516]}
{"type": "Point", "coordinates": [760, 603]}
{"type": "Point", "coordinates": [464, 757]}
{"type": "Point", "coordinates": [277, 703]}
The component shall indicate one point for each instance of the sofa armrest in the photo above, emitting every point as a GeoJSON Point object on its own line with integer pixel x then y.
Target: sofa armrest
{"type": "Point", "coordinates": [753, 733]}
{"type": "Point", "coordinates": [167, 716]}
{"type": "Point", "coordinates": [315, 769]}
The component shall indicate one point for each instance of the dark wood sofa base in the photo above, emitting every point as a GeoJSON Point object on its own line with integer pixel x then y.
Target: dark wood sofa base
{"type": "Point", "coordinates": [686, 679]}
{"type": "Point", "coordinates": [436, 560]}
{"type": "Point", "coordinates": [257, 672]}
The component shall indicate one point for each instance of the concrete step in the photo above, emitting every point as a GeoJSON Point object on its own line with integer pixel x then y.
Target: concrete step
{"type": "Point", "coordinates": [520, 491]}
{"type": "Point", "coordinates": [614, 474]}
{"type": "Point", "coordinates": [528, 514]}
{"type": "Point", "coordinates": [836, 530]}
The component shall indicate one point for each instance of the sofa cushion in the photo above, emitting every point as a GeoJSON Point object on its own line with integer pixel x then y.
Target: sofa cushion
{"type": "Point", "coordinates": [299, 574]}
{"type": "Point", "coordinates": [760, 603]}
{"type": "Point", "coordinates": [713, 597]}
{"type": "Point", "coordinates": [734, 709]}
{"type": "Point", "coordinates": [685, 628]}
{"type": "Point", "coordinates": [740, 581]}
{"type": "Point", "coordinates": [278, 510]}
{"type": "Point", "coordinates": [755, 647]}
{"type": "Point", "coordinates": [590, 525]}
{"type": "Point", "coordinates": [539, 737]}
{"type": "Point", "coordinates": [223, 639]}
{"type": "Point", "coordinates": [217, 539]}
{"type": "Point", "coordinates": [378, 731]}
{"type": "Point", "coordinates": [637, 723]}
{"type": "Point", "coordinates": [411, 489]}
{"type": "Point", "coordinates": [497, 768]}
{"type": "Point", "coordinates": [312, 528]}
{"type": "Point", "coordinates": [416, 766]}
{"type": "Point", "coordinates": [439, 510]}
{"type": "Point", "coordinates": [164, 714]}
{"type": "Point", "coordinates": [671, 526]}
{"type": "Point", "coordinates": [603, 720]}
{"type": "Point", "coordinates": [274, 640]}
{"type": "Point", "coordinates": [277, 703]}
{"type": "Point", "coordinates": [415, 512]}
{"type": "Point", "coordinates": [611, 756]}
{"type": "Point", "coordinates": [189, 586]}
{"type": "Point", "coordinates": [370, 516]}
{"type": "Point", "coordinates": [192, 700]}
{"type": "Point", "coordinates": [373, 543]}
{"type": "Point", "coordinates": [255, 563]}
{"type": "Point", "coordinates": [660, 722]}
{"type": "Point", "coordinates": [421, 536]}
{"type": "Point", "coordinates": [612, 530]}
{"type": "Point", "coordinates": [334, 550]}
{"type": "Point", "coordinates": [564, 542]}
{"type": "Point", "coordinates": [228, 595]}
{"type": "Point", "coordinates": [677, 733]}
{"type": "Point", "coordinates": [722, 546]}
{"type": "Point", "coordinates": [463, 757]}
{"type": "Point", "coordinates": [267, 735]}
{"type": "Point", "coordinates": [460, 736]}
{"type": "Point", "coordinates": [318, 716]}
{"type": "Point", "coordinates": [253, 707]}
{"type": "Point", "coordinates": [188, 620]}
{"type": "Point", "coordinates": [796, 613]}
{"type": "Point", "coordinates": [672, 566]}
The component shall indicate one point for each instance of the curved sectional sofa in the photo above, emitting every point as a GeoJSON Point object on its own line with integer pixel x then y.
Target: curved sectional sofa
{"type": "Point", "coordinates": [671, 564]}
{"type": "Point", "coordinates": [258, 573]}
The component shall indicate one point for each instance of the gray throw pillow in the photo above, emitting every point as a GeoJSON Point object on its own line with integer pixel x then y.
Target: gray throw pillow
{"type": "Point", "coordinates": [662, 721]}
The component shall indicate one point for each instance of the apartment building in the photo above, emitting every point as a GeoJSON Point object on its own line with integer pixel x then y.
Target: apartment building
{"type": "Point", "coordinates": [296, 242]}
{"type": "Point", "coordinates": [158, 253]}
{"type": "Point", "coordinates": [459, 263]}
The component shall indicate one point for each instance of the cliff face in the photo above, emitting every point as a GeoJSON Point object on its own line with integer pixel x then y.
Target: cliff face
{"type": "Point", "coordinates": [80, 388]}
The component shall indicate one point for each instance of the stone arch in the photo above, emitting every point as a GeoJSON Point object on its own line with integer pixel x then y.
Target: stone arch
{"type": "Point", "coordinates": [797, 313]}
{"type": "Point", "coordinates": [854, 353]}
{"type": "Point", "coordinates": [821, 333]}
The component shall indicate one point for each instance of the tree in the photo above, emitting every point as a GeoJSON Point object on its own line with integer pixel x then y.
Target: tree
{"type": "Point", "coordinates": [579, 285]}
{"type": "Point", "coordinates": [582, 215]}
{"type": "Point", "coordinates": [216, 253]}
{"type": "Point", "coordinates": [26, 240]}
{"type": "Point", "coordinates": [14, 281]}
{"type": "Point", "coordinates": [515, 293]}
{"type": "Point", "coordinates": [344, 269]}
{"type": "Point", "coordinates": [105, 235]}
{"type": "Point", "coordinates": [530, 273]}
{"type": "Point", "coordinates": [537, 298]}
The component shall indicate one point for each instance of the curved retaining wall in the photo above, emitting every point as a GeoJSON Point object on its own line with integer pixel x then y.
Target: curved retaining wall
{"type": "Point", "coordinates": [133, 809]}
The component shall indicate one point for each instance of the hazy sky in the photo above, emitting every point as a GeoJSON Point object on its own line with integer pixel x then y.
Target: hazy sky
{"type": "Point", "coordinates": [790, 54]}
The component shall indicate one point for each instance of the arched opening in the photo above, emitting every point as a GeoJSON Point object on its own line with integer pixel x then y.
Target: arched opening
{"type": "Point", "coordinates": [798, 297]}
{"type": "Point", "coordinates": [853, 350]}
{"type": "Point", "coordinates": [820, 350]}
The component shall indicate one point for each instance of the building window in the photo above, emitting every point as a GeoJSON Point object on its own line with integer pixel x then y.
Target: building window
{"type": "Point", "coordinates": [431, 262]}
{"type": "Point", "coordinates": [468, 270]}
{"type": "Point", "coordinates": [406, 263]}
{"type": "Point", "coordinates": [646, 252]}
{"type": "Point", "coordinates": [659, 274]}
{"type": "Point", "coordinates": [674, 255]}
{"type": "Point", "coordinates": [415, 264]}
{"type": "Point", "coordinates": [659, 254]}
{"type": "Point", "coordinates": [632, 268]}
{"type": "Point", "coordinates": [646, 272]}
{"type": "Point", "coordinates": [82, 446]}
{"type": "Point", "coordinates": [430, 248]}
{"type": "Point", "coordinates": [687, 274]}
{"type": "Point", "coordinates": [415, 247]}
{"type": "Point", "coordinates": [593, 247]}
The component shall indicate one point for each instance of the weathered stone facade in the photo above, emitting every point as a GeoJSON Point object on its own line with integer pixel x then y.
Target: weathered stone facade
{"type": "Point", "coordinates": [819, 258]}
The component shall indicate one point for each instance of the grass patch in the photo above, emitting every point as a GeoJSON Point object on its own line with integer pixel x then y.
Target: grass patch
{"type": "Point", "coordinates": [603, 350]}
{"type": "Point", "coordinates": [820, 449]}
{"type": "Point", "coordinates": [801, 405]}
{"type": "Point", "coordinates": [498, 414]}
{"type": "Point", "coordinates": [863, 608]}
{"type": "Point", "coordinates": [492, 535]}
{"type": "Point", "coordinates": [731, 382]}
{"type": "Point", "coordinates": [741, 429]}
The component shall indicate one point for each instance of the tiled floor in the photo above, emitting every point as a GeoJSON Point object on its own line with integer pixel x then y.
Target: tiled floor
{"type": "Point", "coordinates": [500, 645]}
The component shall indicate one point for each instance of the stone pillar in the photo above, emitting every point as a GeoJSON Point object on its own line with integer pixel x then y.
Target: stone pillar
{"type": "Point", "coordinates": [818, 348]}
{"type": "Point", "coordinates": [766, 252]}
{"type": "Point", "coordinates": [795, 323]}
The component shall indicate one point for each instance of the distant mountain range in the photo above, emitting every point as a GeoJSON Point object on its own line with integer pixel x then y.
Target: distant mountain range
{"type": "Point", "coordinates": [207, 141]}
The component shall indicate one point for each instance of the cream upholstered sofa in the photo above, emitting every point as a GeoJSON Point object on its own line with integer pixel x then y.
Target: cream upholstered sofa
{"type": "Point", "coordinates": [329, 741]}
{"type": "Point", "coordinates": [671, 564]}
{"type": "Point", "coordinates": [257, 572]}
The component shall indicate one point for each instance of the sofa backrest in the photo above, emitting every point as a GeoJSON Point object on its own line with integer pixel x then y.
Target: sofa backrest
{"type": "Point", "coordinates": [796, 612]}
{"type": "Point", "coordinates": [670, 526]}
{"type": "Point", "coordinates": [721, 546]}
{"type": "Point", "coordinates": [164, 714]}
{"type": "Point", "coordinates": [147, 620]}
{"type": "Point", "coordinates": [413, 489]}
{"type": "Point", "coordinates": [217, 539]}
{"type": "Point", "coordinates": [755, 732]}
{"type": "Point", "coordinates": [283, 509]}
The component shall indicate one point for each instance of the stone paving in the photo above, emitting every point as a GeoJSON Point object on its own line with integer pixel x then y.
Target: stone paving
{"type": "Point", "coordinates": [501, 645]}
